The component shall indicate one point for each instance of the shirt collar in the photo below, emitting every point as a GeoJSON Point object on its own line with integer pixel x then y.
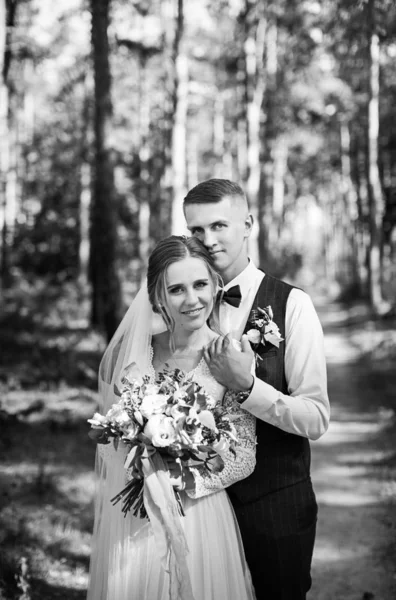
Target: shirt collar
{"type": "Point", "coordinates": [245, 278]}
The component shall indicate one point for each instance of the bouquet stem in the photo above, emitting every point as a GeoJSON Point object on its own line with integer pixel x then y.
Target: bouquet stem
{"type": "Point", "coordinates": [132, 499]}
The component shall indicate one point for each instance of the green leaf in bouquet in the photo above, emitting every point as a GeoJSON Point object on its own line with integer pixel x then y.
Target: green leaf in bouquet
{"type": "Point", "coordinates": [138, 417]}
{"type": "Point", "coordinates": [203, 448]}
{"type": "Point", "coordinates": [143, 438]}
{"type": "Point", "coordinates": [201, 400]}
{"type": "Point", "coordinates": [131, 457]}
{"type": "Point", "coordinates": [191, 390]}
{"type": "Point", "coordinates": [99, 435]}
{"type": "Point", "coordinates": [215, 464]}
{"type": "Point", "coordinates": [117, 390]}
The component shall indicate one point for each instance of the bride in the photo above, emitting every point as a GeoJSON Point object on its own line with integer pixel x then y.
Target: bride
{"type": "Point", "coordinates": [126, 561]}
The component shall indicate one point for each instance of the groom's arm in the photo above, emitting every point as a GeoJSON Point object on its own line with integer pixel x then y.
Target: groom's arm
{"type": "Point", "coordinates": [305, 410]}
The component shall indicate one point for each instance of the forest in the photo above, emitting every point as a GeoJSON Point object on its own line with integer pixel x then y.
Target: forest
{"type": "Point", "coordinates": [110, 111]}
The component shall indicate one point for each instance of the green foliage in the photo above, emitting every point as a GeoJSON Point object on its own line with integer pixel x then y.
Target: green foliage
{"type": "Point", "coordinates": [320, 82]}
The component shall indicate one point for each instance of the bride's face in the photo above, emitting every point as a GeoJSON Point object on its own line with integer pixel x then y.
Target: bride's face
{"type": "Point", "coordinates": [189, 293]}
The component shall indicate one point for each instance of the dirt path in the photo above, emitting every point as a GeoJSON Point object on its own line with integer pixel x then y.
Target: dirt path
{"type": "Point", "coordinates": [353, 470]}
{"type": "Point", "coordinates": [47, 480]}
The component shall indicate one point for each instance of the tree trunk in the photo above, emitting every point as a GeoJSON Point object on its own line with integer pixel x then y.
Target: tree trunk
{"type": "Point", "coordinates": [173, 18]}
{"type": "Point", "coordinates": [351, 272]}
{"type": "Point", "coordinates": [179, 145]}
{"type": "Point", "coordinates": [7, 20]}
{"type": "Point", "coordinates": [375, 195]}
{"type": "Point", "coordinates": [84, 245]}
{"type": "Point", "coordinates": [106, 292]}
{"type": "Point", "coordinates": [255, 87]}
{"type": "Point", "coordinates": [359, 177]}
{"type": "Point", "coordinates": [280, 155]}
{"type": "Point", "coordinates": [268, 137]}
{"type": "Point", "coordinates": [218, 133]}
{"type": "Point", "coordinates": [192, 160]}
{"type": "Point", "coordinates": [85, 192]}
{"type": "Point", "coordinates": [146, 208]}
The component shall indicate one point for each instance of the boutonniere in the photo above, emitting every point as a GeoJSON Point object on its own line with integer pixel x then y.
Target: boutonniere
{"type": "Point", "coordinates": [261, 329]}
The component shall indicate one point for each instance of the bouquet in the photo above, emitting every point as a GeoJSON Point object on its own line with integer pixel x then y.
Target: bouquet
{"type": "Point", "coordinates": [173, 416]}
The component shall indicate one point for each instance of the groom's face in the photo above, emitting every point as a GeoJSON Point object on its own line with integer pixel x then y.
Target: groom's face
{"type": "Point", "coordinates": [223, 227]}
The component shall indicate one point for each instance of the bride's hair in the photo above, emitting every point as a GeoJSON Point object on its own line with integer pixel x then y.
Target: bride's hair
{"type": "Point", "coordinates": [168, 251]}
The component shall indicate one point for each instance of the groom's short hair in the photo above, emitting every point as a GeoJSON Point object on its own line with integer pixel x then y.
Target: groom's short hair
{"type": "Point", "coordinates": [214, 190]}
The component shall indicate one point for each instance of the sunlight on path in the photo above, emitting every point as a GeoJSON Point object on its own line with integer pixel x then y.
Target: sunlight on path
{"type": "Point", "coordinates": [352, 469]}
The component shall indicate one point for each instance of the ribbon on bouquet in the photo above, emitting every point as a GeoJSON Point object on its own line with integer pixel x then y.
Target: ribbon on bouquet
{"type": "Point", "coordinates": [162, 510]}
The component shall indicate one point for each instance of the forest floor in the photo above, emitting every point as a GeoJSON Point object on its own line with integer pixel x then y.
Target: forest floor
{"type": "Point", "coordinates": [354, 464]}
{"type": "Point", "coordinates": [47, 485]}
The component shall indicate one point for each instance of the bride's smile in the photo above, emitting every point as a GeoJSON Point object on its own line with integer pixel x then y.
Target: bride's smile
{"type": "Point", "coordinates": [194, 312]}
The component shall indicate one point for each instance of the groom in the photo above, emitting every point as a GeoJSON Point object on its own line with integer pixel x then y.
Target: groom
{"type": "Point", "coordinates": [275, 506]}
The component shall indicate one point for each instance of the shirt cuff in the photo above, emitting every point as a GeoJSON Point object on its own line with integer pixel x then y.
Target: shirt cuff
{"type": "Point", "coordinates": [262, 397]}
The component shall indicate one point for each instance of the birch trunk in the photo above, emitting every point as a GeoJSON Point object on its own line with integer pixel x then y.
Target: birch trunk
{"type": "Point", "coordinates": [179, 147]}
{"type": "Point", "coordinates": [255, 88]}
{"type": "Point", "coordinates": [375, 194]}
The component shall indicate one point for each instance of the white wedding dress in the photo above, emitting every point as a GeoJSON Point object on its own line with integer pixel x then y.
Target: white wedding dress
{"type": "Point", "coordinates": [125, 564]}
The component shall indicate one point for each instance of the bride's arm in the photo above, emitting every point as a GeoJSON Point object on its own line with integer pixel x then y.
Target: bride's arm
{"type": "Point", "coordinates": [237, 466]}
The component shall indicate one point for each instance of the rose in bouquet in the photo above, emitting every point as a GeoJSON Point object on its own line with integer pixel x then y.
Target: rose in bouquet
{"type": "Point", "coordinates": [173, 416]}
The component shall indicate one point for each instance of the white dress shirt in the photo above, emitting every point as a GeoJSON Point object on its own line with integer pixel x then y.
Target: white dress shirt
{"type": "Point", "coordinates": [306, 410]}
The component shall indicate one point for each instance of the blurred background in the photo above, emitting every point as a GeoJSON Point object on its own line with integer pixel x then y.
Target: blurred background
{"type": "Point", "coordinates": [110, 110]}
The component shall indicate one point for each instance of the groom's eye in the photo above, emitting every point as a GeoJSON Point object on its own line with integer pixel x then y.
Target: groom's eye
{"type": "Point", "coordinates": [218, 226]}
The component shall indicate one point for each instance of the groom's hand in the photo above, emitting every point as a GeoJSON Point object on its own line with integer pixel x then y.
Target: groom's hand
{"type": "Point", "coordinates": [229, 366]}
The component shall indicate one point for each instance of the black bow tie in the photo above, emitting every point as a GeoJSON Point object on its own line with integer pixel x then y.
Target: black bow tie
{"type": "Point", "coordinates": [232, 296]}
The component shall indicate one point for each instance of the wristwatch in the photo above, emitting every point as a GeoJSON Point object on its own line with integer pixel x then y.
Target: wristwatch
{"type": "Point", "coordinates": [242, 396]}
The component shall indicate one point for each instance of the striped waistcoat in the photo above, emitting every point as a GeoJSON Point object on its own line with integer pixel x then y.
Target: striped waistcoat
{"type": "Point", "coordinates": [283, 459]}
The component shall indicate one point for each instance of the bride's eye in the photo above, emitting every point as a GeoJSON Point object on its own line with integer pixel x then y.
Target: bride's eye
{"type": "Point", "coordinates": [201, 284]}
{"type": "Point", "coordinates": [175, 290]}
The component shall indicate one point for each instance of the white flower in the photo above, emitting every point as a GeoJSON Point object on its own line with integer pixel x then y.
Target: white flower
{"type": "Point", "coordinates": [221, 446]}
{"type": "Point", "coordinates": [118, 414]}
{"type": "Point", "coordinates": [98, 420]}
{"type": "Point", "coordinates": [151, 389]}
{"type": "Point", "coordinates": [160, 430]}
{"type": "Point", "coordinates": [254, 336]}
{"type": "Point", "coordinates": [207, 419]}
{"type": "Point", "coordinates": [153, 404]}
{"type": "Point", "coordinates": [131, 431]}
{"type": "Point", "coordinates": [178, 412]}
{"type": "Point", "coordinates": [272, 327]}
{"type": "Point", "coordinates": [195, 435]}
{"type": "Point", "coordinates": [179, 395]}
{"type": "Point", "coordinates": [122, 418]}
